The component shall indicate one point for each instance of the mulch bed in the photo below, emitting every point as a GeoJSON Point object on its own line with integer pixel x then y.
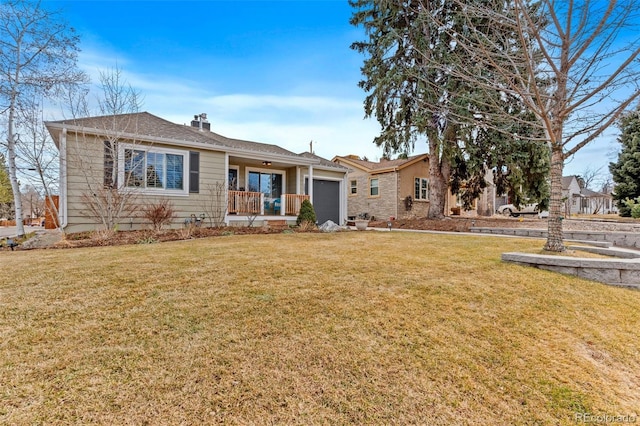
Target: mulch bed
{"type": "Point", "coordinates": [92, 239]}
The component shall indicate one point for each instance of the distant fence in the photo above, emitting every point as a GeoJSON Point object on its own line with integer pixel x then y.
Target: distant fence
{"type": "Point", "coordinates": [50, 221]}
{"type": "Point", "coordinates": [49, 216]}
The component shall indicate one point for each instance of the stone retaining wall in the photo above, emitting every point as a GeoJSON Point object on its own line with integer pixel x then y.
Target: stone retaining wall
{"type": "Point", "coordinates": [620, 239]}
{"type": "Point", "coordinates": [620, 272]}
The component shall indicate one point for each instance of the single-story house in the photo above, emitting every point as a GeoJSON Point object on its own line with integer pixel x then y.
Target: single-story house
{"type": "Point", "coordinates": [388, 188]}
{"type": "Point", "coordinates": [141, 158]}
{"type": "Point", "coordinates": [398, 188]}
{"type": "Point", "coordinates": [571, 195]}
{"type": "Point", "coordinates": [594, 202]}
{"type": "Point", "coordinates": [579, 200]}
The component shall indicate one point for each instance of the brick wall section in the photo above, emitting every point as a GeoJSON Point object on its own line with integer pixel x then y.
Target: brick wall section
{"type": "Point", "coordinates": [393, 189]}
{"type": "Point", "coordinates": [380, 207]}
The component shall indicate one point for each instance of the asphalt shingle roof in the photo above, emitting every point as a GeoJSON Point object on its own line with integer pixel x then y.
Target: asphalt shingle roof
{"type": "Point", "coordinates": [146, 124]}
{"type": "Point", "coordinates": [324, 162]}
{"type": "Point", "coordinates": [384, 164]}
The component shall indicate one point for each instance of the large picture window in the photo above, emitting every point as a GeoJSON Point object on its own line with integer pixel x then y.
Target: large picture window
{"type": "Point", "coordinates": [154, 169]}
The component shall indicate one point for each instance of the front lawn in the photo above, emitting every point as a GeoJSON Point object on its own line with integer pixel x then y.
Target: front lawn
{"type": "Point", "coordinates": [354, 327]}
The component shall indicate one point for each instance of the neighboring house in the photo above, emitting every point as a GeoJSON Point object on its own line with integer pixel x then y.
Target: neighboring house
{"type": "Point", "coordinates": [388, 188]}
{"type": "Point", "coordinates": [487, 202]}
{"type": "Point", "coordinates": [571, 195]}
{"type": "Point", "coordinates": [593, 202]}
{"type": "Point", "coordinates": [156, 159]}
{"type": "Point", "coordinates": [396, 188]}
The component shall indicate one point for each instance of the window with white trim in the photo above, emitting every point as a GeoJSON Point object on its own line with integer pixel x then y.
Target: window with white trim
{"type": "Point", "coordinates": [154, 169]}
{"type": "Point", "coordinates": [421, 187]}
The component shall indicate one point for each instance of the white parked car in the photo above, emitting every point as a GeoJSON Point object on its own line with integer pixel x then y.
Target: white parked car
{"type": "Point", "coordinates": [511, 210]}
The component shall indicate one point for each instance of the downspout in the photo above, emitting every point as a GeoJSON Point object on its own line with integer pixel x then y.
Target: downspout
{"type": "Point", "coordinates": [344, 207]}
{"type": "Point", "coordinates": [63, 180]}
{"type": "Point", "coordinates": [397, 172]}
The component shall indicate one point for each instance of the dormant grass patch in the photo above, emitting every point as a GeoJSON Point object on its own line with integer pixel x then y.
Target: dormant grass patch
{"type": "Point", "coordinates": [356, 327]}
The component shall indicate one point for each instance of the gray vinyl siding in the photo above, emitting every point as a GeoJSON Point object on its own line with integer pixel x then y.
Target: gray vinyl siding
{"type": "Point", "coordinates": [317, 174]}
{"type": "Point", "coordinates": [291, 180]}
{"type": "Point", "coordinates": [85, 169]}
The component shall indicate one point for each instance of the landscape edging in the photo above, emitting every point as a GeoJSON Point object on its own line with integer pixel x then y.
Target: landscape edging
{"type": "Point", "coordinates": [618, 272]}
{"type": "Point", "coordinates": [620, 239]}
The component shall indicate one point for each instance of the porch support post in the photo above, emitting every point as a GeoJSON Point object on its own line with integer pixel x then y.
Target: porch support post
{"type": "Point", "coordinates": [226, 189]}
{"type": "Point", "coordinates": [283, 204]}
{"type": "Point", "coordinates": [261, 204]}
{"type": "Point", "coordinates": [311, 183]}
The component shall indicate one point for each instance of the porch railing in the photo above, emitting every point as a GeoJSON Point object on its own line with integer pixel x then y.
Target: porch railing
{"type": "Point", "coordinates": [243, 202]}
{"type": "Point", "coordinates": [292, 203]}
{"type": "Point", "coordinates": [252, 203]}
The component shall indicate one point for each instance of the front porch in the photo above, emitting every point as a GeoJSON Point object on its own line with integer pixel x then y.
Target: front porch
{"type": "Point", "coordinates": [247, 206]}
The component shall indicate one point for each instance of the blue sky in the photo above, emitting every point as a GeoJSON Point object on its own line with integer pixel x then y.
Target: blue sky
{"type": "Point", "coordinates": [277, 72]}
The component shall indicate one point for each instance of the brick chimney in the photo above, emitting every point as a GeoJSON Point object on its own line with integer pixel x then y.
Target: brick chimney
{"type": "Point", "coordinates": [200, 121]}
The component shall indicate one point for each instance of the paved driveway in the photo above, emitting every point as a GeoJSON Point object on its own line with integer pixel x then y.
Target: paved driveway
{"type": "Point", "coordinates": [10, 231]}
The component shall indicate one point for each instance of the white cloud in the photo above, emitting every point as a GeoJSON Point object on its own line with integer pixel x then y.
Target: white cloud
{"type": "Point", "coordinates": [334, 124]}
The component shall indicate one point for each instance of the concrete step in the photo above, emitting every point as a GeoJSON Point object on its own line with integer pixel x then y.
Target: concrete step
{"type": "Point", "coordinates": [609, 251]}
{"type": "Point", "coordinates": [591, 243]}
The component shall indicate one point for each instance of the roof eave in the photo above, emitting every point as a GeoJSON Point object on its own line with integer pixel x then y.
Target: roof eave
{"type": "Point", "coordinates": [352, 164]}
{"type": "Point", "coordinates": [190, 144]}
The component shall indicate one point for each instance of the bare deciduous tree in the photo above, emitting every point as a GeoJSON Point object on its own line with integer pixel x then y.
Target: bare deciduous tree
{"type": "Point", "coordinates": [591, 177]}
{"type": "Point", "coordinates": [41, 157]}
{"type": "Point", "coordinates": [106, 197]}
{"type": "Point", "coordinates": [38, 55]}
{"type": "Point", "coordinates": [214, 202]}
{"type": "Point", "coordinates": [578, 72]}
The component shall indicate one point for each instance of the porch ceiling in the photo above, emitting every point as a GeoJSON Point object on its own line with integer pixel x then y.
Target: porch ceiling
{"type": "Point", "coordinates": [258, 162]}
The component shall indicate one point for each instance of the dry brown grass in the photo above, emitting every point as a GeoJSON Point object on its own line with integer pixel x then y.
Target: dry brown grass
{"type": "Point", "coordinates": [347, 328]}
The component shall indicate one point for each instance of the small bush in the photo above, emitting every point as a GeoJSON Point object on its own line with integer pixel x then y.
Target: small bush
{"type": "Point", "coordinates": [103, 234]}
{"type": "Point", "coordinates": [634, 207]}
{"type": "Point", "coordinates": [306, 226]}
{"type": "Point", "coordinates": [159, 214]}
{"type": "Point", "coordinates": [147, 240]}
{"type": "Point", "coordinates": [307, 213]}
{"type": "Point", "coordinates": [186, 233]}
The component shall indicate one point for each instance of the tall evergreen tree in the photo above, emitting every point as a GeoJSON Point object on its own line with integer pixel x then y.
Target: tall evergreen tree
{"type": "Point", "coordinates": [5, 185]}
{"type": "Point", "coordinates": [413, 96]}
{"type": "Point", "coordinates": [626, 171]}
{"type": "Point", "coordinates": [6, 195]}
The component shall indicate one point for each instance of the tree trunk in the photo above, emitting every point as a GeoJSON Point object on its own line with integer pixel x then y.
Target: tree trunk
{"type": "Point", "coordinates": [555, 237]}
{"type": "Point", "coordinates": [439, 173]}
{"type": "Point", "coordinates": [15, 186]}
